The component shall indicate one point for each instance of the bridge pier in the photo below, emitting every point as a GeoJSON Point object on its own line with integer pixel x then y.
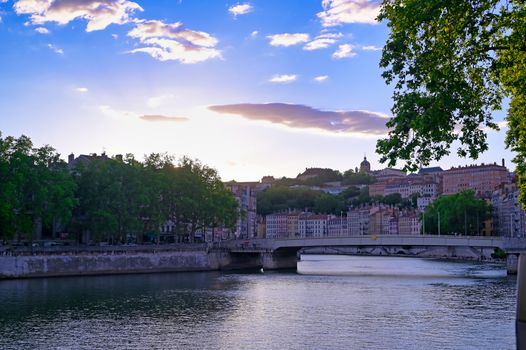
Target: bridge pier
{"type": "Point", "coordinates": [279, 260]}
{"type": "Point", "coordinates": [521, 303]}
{"type": "Point", "coordinates": [512, 263]}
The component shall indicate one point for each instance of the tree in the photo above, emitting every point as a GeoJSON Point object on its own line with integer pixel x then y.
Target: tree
{"type": "Point", "coordinates": [452, 64]}
{"type": "Point", "coordinates": [352, 178]}
{"type": "Point", "coordinates": [460, 213]}
{"type": "Point", "coordinates": [36, 189]}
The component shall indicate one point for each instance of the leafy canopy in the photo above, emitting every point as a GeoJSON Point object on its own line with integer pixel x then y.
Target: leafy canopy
{"type": "Point", "coordinates": [452, 64]}
{"type": "Point", "coordinates": [461, 213]}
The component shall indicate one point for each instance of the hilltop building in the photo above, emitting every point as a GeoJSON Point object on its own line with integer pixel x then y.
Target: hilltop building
{"type": "Point", "coordinates": [365, 166]}
{"type": "Point", "coordinates": [483, 179]}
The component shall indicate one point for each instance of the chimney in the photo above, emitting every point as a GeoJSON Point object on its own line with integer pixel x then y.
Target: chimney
{"type": "Point", "coordinates": [503, 163]}
{"type": "Point", "coordinates": [71, 158]}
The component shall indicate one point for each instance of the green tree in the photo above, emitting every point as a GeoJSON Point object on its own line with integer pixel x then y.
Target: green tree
{"type": "Point", "coordinates": [460, 213]}
{"type": "Point", "coordinates": [279, 199]}
{"type": "Point", "coordinates": [329, 204]}
{"type": "Point", "coordinates": [36, 189]}
{"type": "Point", "coordinates": [452, 64]}
{"type": "Point", "coordinates": [194, 198]}
{"type": "Point", "coordinates": [352, 178]}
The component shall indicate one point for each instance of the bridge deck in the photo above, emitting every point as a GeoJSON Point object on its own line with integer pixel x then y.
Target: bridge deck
{"type": "Point", "coordinates": [258, 245]}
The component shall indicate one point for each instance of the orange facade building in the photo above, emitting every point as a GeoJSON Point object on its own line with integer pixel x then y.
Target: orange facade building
{"type": "Point", "coordinates": [483, 179]}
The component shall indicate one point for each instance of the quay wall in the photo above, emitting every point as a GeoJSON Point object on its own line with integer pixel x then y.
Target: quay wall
{"type": "Point", "coordinates": [75, 264]}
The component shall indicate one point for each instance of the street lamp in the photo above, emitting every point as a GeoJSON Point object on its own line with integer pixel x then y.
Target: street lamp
{"type": "Point", "coordinates": [438, 223]}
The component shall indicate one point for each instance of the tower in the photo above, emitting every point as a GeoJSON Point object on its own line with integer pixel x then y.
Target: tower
{"type": "Point", "coordinates": [365, 166]}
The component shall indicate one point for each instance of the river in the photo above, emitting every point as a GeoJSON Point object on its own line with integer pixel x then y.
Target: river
{"type": "Point", "coordinates": [332, 302]}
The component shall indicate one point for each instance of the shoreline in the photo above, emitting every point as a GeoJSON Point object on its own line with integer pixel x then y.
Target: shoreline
{"type": "Point", "coordinates": [157, 259]}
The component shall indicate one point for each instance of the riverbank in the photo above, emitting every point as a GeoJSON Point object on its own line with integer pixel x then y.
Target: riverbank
{"type": "Point", "coordinates": [116, 261]}
{"type": "Point", "coordinates": [29, 262]}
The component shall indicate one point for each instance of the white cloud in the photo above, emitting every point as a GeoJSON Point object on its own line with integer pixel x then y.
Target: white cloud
{"type": "Point", "coordinates": [337, 12]}
{"type": "Point", "coordinates": [42, 30]}
{"type": "Point", "coordinates": [503, 124]}
{"type": "Point", "coordinates": [156, 101]}
{"type": "Point", "coordinates": [283, 78]}
{"type": "Point", "coordinates": [81, 89]}
{"type": "Point", "coordinates": [98, 13]}
{"type": "Point", "coordinates": [344, 50]}
{"type": "Point", "coordinates": [288, 39]}
{"type": "Point", "coordinates": [321, 78]}
{"type": "Point", "coordinates": [371, 48]}
{"type": "Point", "coordinates": [116, 114]}
{"type": "Point", "coordinates": [240, 9]}
{"type": "Point", "coordinates": [127, 115]}
{"type": "Point", "coordinates": [317, 44]}
{"type": "Point", "coordinates": [158, 29]}
{"type": "Point", "coordinates": [166, 41]}
{"type": "Point", "coordinates": [115, 36]}
{"type": "Point", "coordinates": [56, 49]}
{"type": "Point", "coordinates": [322, 41]}
{"type": "Point", "coordinates": [254, 34]}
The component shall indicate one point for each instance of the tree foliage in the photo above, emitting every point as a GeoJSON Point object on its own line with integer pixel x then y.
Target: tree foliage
{"type": "Point", "coordinates": [122, 197]}
{"type": "Point", "coordinates": [460, 213]}
{"type": "Point", "coordinates": [281, 199]}
{"type": "Point", "coordinates": [35, 188]}
{"type": "Point", "coordinates": [353, 178]}
{"type": "Point", "coordinates": [111, 199]}
{"type": "Point", "coordinates": [452, 64]}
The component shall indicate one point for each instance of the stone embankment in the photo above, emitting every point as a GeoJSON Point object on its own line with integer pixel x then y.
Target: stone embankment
{"type": "Point", "coordinates": [73, 261]}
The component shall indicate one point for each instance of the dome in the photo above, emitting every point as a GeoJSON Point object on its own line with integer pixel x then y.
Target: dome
{"type": "Point", "coordinates": [365, 166]}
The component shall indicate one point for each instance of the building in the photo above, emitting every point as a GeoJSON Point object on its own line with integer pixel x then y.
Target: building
{"type": "Point", "coordinates": [276, 225]}
{"type": "Point", "coordinates": [83, 158]}
{"type": "Point", "coordinates": [293, 224]}
{"type": "Point", "coordinates": [409, 223]}
{"type": "Point", "coordinates": [380, 218]}
{"type": "Point", "coordinates": [388, 174]}
{"type": "Point", "coordinates": [312, 225]}
{"type": "Point", "coordinates": [430, 171]}
{"type": "Point", "coordinates": [427, 187]}
{"type": "Point", "coordinates": [509, 219]}
{"type": "Point", "coordinates": [365, 166]}
{"type": "Point", "coordinates": [483, 179]}
{"type": "Point", "coordinates": [337, 226]}
{"type": "Point", "coordinates": [424, 186]}
{"type": "Point", "coordinates": [245, 193]}
{"type": "Point", "coordinates": [358, 221]}
{"type": "Point", "coordinates": [377, 189]}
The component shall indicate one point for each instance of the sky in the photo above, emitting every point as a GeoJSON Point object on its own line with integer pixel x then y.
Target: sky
{"type": "Point", "coordinates": [264, 87]}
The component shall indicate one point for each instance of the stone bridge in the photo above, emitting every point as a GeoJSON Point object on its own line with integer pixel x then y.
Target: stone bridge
{"type": "Point", "coordinates": [283, 253]}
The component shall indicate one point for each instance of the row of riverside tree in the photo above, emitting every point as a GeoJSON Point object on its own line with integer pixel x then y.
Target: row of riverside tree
{"type": "Point", "coordinates": [112, 199]}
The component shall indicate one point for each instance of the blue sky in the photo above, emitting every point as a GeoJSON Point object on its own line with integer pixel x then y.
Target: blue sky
{"type": "Point", "coordinates": [254, 88]}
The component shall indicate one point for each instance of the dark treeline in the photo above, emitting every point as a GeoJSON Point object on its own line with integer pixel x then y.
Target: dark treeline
{"type": "Point", "coordinates": [109, 199]}
{"type": "Point", "coordinates": [281, 198]}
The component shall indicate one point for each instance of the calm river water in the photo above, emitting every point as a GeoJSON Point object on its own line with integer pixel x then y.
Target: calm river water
{"type": "Point", "coordinates": [333, 302]}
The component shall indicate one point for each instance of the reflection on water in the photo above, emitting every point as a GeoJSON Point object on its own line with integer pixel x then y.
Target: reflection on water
{"type": "Point", "coordinates": [334, 303]}
{"type": "Point", "coordinates": [395, 267]}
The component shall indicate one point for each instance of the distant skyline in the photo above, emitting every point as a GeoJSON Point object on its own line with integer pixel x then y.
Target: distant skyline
{"type": "Point", "coordinates": [251, 88]}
